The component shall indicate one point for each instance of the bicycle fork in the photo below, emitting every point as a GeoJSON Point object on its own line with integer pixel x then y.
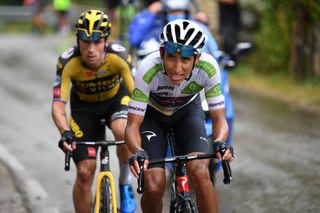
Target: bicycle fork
{"type": "Point", "coordinates": [105, 173]}
{"type": "Point", "coordinates": [181, 194]}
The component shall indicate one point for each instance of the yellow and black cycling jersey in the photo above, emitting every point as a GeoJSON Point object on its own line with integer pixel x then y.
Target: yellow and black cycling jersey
{"type": "Point", "coordinates": [93, 86]}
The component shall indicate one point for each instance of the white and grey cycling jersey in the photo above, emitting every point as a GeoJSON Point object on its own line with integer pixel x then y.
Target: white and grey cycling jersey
{"type": "Point", "coordinates": [153, 87]}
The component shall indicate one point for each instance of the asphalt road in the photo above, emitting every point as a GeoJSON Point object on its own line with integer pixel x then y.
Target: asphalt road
{"type": "Point", "coordinates": [276, 144]}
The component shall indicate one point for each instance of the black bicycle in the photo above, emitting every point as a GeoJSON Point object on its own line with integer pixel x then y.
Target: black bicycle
{"type": "Point", "coordinates": [181, 199]}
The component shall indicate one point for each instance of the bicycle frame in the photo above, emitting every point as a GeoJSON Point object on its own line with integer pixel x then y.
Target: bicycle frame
{"type": "Point", "coordinates": [181, 196]}
{"type": "Point", "coordinates": [180, 190]}
{"type": "Point", "coordinates": [104, 172]}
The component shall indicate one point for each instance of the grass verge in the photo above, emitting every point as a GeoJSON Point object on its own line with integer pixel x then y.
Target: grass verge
{"type": "Point", "coordinates": [305, 94]}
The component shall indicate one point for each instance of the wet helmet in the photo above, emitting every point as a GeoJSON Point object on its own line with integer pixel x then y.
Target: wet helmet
{"type": "Point", "coordinates": [183, 32]}
{"type": "Point", "coordinates": [92, 25]}
{"type": "Point", "coordinates": [169, 5]}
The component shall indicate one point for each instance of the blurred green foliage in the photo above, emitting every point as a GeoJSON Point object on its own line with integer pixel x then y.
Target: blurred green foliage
{"type": "Point", "coordinates": [97, 3]}
{"type": "Point", "coordinates": [274, 39]}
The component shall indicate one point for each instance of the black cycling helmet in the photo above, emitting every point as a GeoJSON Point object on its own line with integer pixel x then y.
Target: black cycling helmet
{"type": "Point", "coordinates": [92, 25]}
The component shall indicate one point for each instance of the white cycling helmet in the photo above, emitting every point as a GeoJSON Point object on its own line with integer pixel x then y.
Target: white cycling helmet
{"type": "Point", "coordinates": [175, 4]}
{"type": "Point", "coordinates": [184, 32]}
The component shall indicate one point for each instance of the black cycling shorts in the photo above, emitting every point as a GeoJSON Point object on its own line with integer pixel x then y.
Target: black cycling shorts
{"type": "Point", "coordinates": [85, 122]}
{"type": "Point", "coordinates": [188, 125]}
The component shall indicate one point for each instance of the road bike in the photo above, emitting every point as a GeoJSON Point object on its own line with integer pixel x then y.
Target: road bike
{"type": "Point", "coordinates": [181, 198]}
{"type": "Point", "coordinates": [105, 192]}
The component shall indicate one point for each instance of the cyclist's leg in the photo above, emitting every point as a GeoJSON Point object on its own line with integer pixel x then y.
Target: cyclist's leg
{"type": "Point", "coordinates": [190, 136]}
{"type": "Point", "coordinates": [85, 127]}
{"type": "Point", "coordinates": [154, 143]}
{"type": "Point", "coordinates": [154, 188]}
{"type": "Point", "coordinates": [82, 195]}
{"type": "Point", "coordinates": [117, 117]}
{"type": "Point", "coordinates": [128, 203]}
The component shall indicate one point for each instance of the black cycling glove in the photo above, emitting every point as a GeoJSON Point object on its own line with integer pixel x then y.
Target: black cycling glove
{"type": "Point", "coordinates": [221, 147]}
{"type": "Point", "coordinates": [141, 154]}
{"type": "Point", "coordinates": [67, 136]}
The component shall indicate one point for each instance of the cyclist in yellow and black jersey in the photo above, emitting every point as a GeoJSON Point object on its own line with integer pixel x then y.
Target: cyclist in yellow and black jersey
{"type": "Point", "coordinates": [93, 85]}
{"type": "Point", "coordinates": [96, 74]}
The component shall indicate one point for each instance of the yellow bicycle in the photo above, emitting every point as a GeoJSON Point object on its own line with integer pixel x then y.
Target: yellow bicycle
{"type": "Point", "coordinates": [105, 200]}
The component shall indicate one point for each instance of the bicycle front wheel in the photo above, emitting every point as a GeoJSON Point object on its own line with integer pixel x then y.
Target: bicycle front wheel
{"type": "Point", "coordinates": [186, 206]}
{"type": "Point", "coordinates": [105, 198]}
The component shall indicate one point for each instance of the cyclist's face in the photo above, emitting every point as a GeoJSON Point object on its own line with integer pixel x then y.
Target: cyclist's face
{"type": "Point", "coordinates": [93, 52]}
{"type": "Point", "coordinates": [178, 68]}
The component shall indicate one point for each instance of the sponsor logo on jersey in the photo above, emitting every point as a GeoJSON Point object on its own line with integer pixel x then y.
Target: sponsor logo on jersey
{"type": "Point", "coordinates": [162, 94]}
{"type": "Point", "coordinates": [66, 54]}
{"type": "Point", "coordinates": [192, 88]}
{"type": "Point", "coordinates": [92, 152]}
{"type": "Point", "coordinates": [75, 128]}
{"type": "Point", "coordinates": [207, 67]}
{"type": "Point", "coordinates": [137, 109]}
{"type": "Point", "coordinates": [165, 88]}
{"type": "Point", "coordinates": [101, 72]}
{"type": "Point", "coordinates": [138, 95]}
{"type": "Point", "coordinates": [118, 48]}
{"type": "Point", "coordinates": [89, 73]}
{"type": "Point", "coordinates": [148, 134]}
{"type": "Point", "coordinates": [214, 91]}
{"type": "Point", "coordinates": [216, 104]}
{"type": "Point", "coordinates": [150, 74]}
{"type": "Point", "coordinates": [97, 85]}
{"type": "Point", "coordinates": [56, 92]}
{"type": "Point", "coordinates": [59, 65]}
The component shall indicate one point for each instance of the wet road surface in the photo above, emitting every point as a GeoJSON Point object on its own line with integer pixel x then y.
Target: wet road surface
{"type": "Point", "coordinates": [276, 145]}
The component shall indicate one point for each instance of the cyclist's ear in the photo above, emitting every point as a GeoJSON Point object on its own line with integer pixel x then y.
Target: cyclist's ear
{"type": "Point", "coordinates": [161, 49]}
{"type": "Point", "coordinates": [107, 41]}
{"type": "Point", "coordinates": [197, 58]}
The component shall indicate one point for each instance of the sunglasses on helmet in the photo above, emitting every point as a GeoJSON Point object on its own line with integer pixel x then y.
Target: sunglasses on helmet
{"type": "Point", "coordinates": [94, 36]}
{"type": "Point", "coordinates": [184, 50]}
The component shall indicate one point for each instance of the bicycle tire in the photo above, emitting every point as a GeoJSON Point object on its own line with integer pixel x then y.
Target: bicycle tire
{"type": "Point", "coordinates": [106, 196]}
{"type": "Point", "coordinates": [105, 203]}
{"type": "Point", "coordinates": [186, 206]}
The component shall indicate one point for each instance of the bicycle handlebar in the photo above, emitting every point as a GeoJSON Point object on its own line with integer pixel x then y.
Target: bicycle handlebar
{"type": "Point", "coordinates": [68, 154]}
{"type": "Point", "coordinates": [140, 176]}
{"type": "Point", "coordinates": [183, 158]}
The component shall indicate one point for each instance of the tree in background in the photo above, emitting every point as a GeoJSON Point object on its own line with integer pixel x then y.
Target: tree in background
{"type": "Point", "coordinates": [289, 40]}
{"type": "Point", "coordinates": [305, 49]}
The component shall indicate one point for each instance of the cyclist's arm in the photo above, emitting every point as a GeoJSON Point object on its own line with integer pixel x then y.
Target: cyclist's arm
{"type": "Point", "coordinates": [126, 74]}
{"type": "Point", "coordinates": [220, 126]}
{"type": "Point", "coordinates": [61, 90]}
{"type": "Point", "coordinates": [128, 80]}
{"type": "Point", "coordinates": [59, 115]}
{"type": "Point", "coordinates": [132, 133]}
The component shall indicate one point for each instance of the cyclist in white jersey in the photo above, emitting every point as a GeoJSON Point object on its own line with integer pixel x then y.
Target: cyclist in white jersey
{"type": "Point", "coordinates": [166, 96]}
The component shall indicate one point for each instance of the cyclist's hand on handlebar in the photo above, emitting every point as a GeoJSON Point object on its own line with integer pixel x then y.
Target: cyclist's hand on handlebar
{"type": "Point", "coordinates": [133, 162]}
{"type": "Point", "coordinates": [66, 143]}
{"type": "Point", "coordinates": [223, 151]}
